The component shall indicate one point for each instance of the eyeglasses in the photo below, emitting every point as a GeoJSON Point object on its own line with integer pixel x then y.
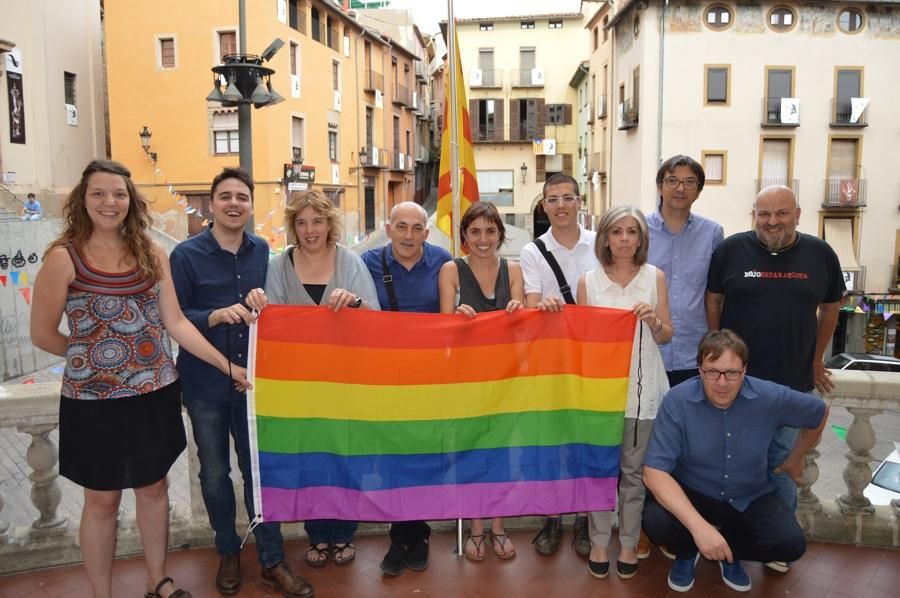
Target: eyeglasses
{"type": "Point", "coordinates": [672, 182]}
{"type": "Point", "coordinates": [714, 375]}
{"type": "Point", "coordinates": [553, 199]}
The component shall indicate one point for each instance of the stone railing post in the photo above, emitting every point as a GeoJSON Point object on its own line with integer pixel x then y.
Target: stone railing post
{"type": "Point", "coordinates": [4, 526]}
{"type": "Point", "coordinates": [858, 473]}
{"type": "Point", "coordinates": [46, 495]}
{"type": "Point", "coordinates": [807, 498]}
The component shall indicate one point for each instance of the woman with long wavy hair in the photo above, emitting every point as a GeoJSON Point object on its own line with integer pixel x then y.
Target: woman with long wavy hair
{"type": "Point", "coordinates": [120, 420]}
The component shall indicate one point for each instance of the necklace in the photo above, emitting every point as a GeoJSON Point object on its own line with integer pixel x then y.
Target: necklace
{"type": "Point", "coordinates": [622, 281]}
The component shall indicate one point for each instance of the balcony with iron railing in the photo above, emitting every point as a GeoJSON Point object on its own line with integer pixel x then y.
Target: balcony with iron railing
{"type": "Point", "coordinates": [601, 106]}
{"type": "Point", "coordinates": [373, 81]}
{"type": "Point", "coordinates": [842, 116]}
{"type": "Point", "coordinates": [45, 534]}
{"type": "Point", "coordinates": [402, 96]}
{"type": "Point", "coordinates": [401, 161]}
{"type": "Point", "coordinates": [421, 70]}
{"type": "Point", "coordinates": [793, 184]}
{"type": "Point", "coordinates": [297, 20]}
{"type": "Point", "coordinates": [490, 79]}
{"type": "Point", "coordinates": [528, 77]}
{"type": "Point", "coordinates": [842, 193]}
{"type": "Point", "coordinates": [776, 113]}
{"type": "Point", "coordinates": [421, 153]}
{"type": "Point", "coordinates": [628, 115]}
{"type": "Point", "coordinates": [374, 157]}
{"type": "Point", "coordinates": [598, 162]}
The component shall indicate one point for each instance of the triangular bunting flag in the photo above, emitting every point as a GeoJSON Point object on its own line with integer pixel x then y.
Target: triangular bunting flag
{"type": "Point", "coordinates": [887, 315]}
{"type": "Point", "coordinates": [26, 293]}
{"type": "Point", "coordinates": [15, 278]}
{"type": "Point", "coordinates": [858, 310]}
{"type": "Point", "coordinates": [3, 279]}
{"type": "Point", "coordinates": [23, 279]}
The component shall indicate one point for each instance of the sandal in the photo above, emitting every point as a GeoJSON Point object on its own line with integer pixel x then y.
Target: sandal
{"type": "Point", "coordinates": [178, 593]}
{"type": "Point", "coordinates": [317, 555]}
{"type": "Point", "coordinates": [477, 542]}
{"type": "Point", "coordinates": [498, 542]}
{"type": "Point", "coordinates": [340, 553]}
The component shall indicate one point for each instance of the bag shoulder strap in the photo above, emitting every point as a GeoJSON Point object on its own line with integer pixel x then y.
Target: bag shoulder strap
{"type": "Point", "coordinates": [388, 281]}
{"type": "Point", "coordinates": [564, 287]}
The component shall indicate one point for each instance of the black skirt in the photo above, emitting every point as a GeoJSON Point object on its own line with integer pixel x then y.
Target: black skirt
{"type": "Point", "coordinates": [113, 444]}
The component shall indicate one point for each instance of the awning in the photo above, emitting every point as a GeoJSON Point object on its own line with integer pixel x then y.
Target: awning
{"type": "Point", "coordinates": [839, 234]}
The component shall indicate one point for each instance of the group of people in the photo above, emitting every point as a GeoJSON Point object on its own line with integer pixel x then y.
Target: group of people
{"type": "Point", "coordinates": [725, 498]}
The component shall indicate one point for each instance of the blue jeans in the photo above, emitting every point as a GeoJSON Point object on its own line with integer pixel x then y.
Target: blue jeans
{"type": "Point", "coordinates": [212, 422]}
{"type": "Point", "coordinates": [330, 531]}
{"type": "Point", "coordinates": [780, 447]}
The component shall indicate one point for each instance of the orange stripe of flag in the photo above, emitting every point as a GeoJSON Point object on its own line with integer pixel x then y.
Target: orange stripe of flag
{"type": "Point", "coordinates": [295, 324]}
{"type": "Point", "coordinates": [484, 363]}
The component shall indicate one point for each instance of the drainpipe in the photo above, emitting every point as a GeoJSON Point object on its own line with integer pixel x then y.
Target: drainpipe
{"type": "Point", "coordinates": [662, 59]}
{"type": "Point", "coordinates": [360, 190]}
{"type": "Point", "coordinates": [610, 179]}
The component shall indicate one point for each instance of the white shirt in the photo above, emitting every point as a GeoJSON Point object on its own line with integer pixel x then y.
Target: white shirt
{"type": "Point", "coordinates": [539, 277]}
{"type": "Point", "coordinates": [603, 292]}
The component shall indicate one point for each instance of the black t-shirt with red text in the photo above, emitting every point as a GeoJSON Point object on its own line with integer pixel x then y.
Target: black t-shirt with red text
{"type": "Point", "coordinates": [771, 301]}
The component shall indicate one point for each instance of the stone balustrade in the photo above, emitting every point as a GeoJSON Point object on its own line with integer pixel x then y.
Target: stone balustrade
{"type": "Point", "coordinates": [52, 539]}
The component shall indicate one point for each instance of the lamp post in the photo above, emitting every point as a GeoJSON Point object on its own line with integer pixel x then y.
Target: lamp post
{"type": "Point", "coordinates": [145, 143]}
{"type": "Point", "coordinates": [246, 82]}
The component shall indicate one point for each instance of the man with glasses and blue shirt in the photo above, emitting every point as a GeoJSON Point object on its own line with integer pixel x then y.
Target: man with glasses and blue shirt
{"type": "Point", "coordinates": [551, 266]}
{"type": "Point", "coordinates": [706, 466]}
{"type": "Point", "coordinates": [681, 245]}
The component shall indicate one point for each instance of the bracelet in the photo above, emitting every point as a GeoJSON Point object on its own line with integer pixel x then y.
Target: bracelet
{"type": "Point", "coordinates": [659, 326]}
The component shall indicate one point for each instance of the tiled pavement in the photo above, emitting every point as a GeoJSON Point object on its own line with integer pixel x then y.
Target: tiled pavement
{"type": "Point", "coordinates": [826, 571]}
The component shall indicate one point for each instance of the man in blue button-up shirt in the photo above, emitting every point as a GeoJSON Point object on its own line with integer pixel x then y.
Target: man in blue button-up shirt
{"type": "Point", "coordinates": [219, 276]}
{"type": "Point", "coordinates": [706, 466]}
{"type": "Point", "coordinates": [681, 245]}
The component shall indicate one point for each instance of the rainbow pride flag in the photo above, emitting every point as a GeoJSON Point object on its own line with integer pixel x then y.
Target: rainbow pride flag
{"type": "Point", "coordinates": [385, 416]}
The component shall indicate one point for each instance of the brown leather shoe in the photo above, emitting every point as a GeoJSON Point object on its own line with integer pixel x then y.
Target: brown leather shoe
{"type": "Point", "coordinates": [228, 579]}
{"type": "Point", "coordinates": [643, 546]}
{"type": "Point", "coordinates": [283, 579]}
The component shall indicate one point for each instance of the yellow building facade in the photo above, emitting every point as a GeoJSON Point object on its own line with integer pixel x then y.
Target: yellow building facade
{"type": "Point", "coordinates": [334, 74]}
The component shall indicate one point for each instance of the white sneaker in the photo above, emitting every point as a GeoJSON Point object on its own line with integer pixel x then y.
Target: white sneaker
{"type": "Point", "coordinates": [779, 566]}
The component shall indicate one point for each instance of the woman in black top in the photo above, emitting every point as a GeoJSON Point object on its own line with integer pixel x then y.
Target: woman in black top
{"type": "Point", "coordinates": [481, 282]}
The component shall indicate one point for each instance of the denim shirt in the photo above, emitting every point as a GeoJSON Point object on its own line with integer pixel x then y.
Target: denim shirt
{"type": "Point", "coordinates": [207, 278]}
{"type": "Point", "coordinates": [684, 258]}
{"type": "Point", "coordinates": [721, 453]}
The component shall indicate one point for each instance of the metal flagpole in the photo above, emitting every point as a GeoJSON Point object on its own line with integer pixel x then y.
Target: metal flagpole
{"type": "Point", "coordinates": [454, 174]}
{"type": "Point", "coordinates": [455, 188]}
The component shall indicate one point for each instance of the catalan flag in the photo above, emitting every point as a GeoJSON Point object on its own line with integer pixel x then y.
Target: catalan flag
{"type": "Point", "coordinates": [467, 175]}
{"type": "Point", "coordinates": [392, 416]}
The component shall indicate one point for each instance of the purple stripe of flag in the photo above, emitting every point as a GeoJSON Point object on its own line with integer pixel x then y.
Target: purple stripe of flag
{"type": "Point", "coordinates": [440, 502]}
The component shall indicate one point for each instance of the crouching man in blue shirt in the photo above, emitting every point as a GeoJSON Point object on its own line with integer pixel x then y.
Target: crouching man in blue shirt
{"type": "Point", "coordinates": [706, 466]}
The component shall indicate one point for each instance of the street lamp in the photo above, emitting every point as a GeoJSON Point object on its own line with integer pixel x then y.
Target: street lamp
{"type": "Point", "coordinates": [246, 82]}
{"type": "Point", "coordinates": [145, 142]}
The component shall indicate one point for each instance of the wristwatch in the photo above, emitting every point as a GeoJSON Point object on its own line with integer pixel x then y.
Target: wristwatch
{"type": "Point", "coordinates": [358, 303]}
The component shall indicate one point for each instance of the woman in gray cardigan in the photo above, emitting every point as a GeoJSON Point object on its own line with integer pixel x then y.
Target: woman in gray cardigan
{"type": "Point", "coordinates": [315, 270]}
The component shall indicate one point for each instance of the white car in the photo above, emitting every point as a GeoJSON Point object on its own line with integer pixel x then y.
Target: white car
{"type": "Point", "coordinates": [885, 484]}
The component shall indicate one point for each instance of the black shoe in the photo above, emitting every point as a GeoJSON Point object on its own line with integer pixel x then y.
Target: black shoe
{"type": "Point", "coordinates": [546, 542]}
{"type": "Point", "coordinates": [626, 570]}
{"type": "Point", "coordinates": [581, 542]}
{"type": "Point", "coordinates": [599, 569]}
{"type": "Point", "coordinates": [417, 555]}
{"type": "Point", "coordinates": [394, 561]}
